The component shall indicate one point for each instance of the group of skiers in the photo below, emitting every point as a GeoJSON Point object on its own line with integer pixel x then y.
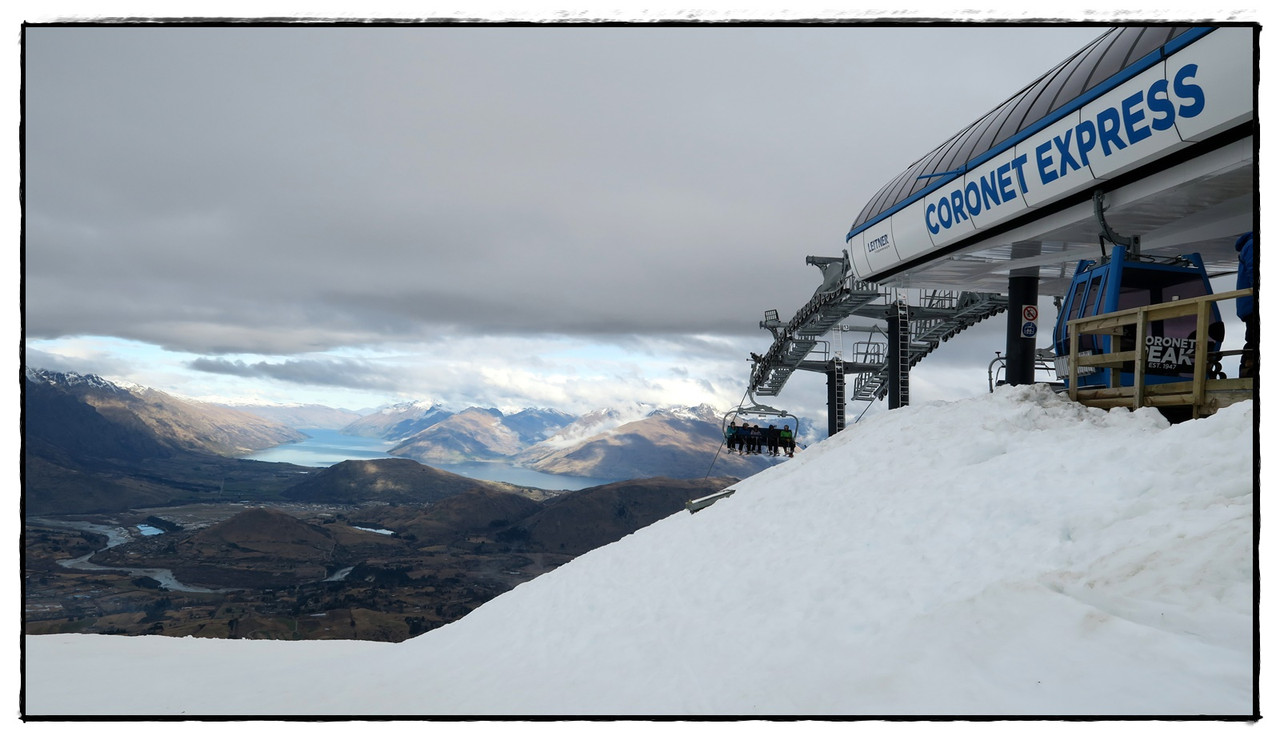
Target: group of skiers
{"type": "Point", "coordinates": [750, 439]}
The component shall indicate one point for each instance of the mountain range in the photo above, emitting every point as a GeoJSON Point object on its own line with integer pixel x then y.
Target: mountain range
{"type": "Point", "coordinates": [89, 441]}
{"type": "Point", "coordinates": [166, 420]}
{"type": "Point", "coordinates": [90, 445]}
{"type": "Point", "coordinates": [614, 444]}
{"type": "Point", "coordinates": [398, 421]}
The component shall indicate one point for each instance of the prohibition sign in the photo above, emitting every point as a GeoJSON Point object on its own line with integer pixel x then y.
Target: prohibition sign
{"type": "Point", "coordinates": [1030, 313]}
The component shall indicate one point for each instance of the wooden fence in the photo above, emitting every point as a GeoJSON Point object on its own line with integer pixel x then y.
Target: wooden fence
{"type": "Point", "coordinates": [1202, 395]}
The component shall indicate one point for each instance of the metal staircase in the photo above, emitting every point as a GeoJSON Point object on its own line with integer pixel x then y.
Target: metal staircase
{"type": "Point", "coordinates": [932, 317]}
{"type": "Point", "coordinates": [793, 341]}
{"type": "Point", "coordinates": [939, 316]}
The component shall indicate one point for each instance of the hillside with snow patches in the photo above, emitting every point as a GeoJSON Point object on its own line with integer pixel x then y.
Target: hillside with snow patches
{"type": "Point", "coordinates": [1012, 554]}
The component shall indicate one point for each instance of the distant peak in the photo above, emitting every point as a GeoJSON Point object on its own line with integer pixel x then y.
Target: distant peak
{"type": "Point", "coordinates": [405, 407]}
{"type": "Point", "coordinates": [700, 412]}
{"type": "Point", "coordinates": [71, 380]}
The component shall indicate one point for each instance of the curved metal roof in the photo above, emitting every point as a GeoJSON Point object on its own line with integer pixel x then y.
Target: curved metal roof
{"type": "Point", "coordinates": [1113, 57]}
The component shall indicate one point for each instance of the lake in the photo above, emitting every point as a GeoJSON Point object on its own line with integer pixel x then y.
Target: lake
{"type": "Point", "coordinates": [326, 447]}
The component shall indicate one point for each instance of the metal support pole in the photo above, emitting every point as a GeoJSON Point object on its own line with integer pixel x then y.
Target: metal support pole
{"type": "Point", "coordinates": [1020, 349]}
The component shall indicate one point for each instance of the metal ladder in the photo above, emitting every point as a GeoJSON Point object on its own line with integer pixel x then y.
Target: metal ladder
{"type": "Point", "coordinates": [903, 350]}
{"type": "Point", "coordinates": [835, 396]}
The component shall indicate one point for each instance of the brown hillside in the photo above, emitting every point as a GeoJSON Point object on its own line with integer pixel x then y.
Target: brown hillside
{"type": "Point", "coordinates": [259, 548]}
{"type": "Point", "coordinates": [265, 531]}
{"type": "Point", "coordinates": [391, 480]}
{"type": "Point", "coordinates": [584, 520]}
{"type": "Point", "coordinates": [473, 434]}
{"type": "Point", "coordinates": [476, 512]}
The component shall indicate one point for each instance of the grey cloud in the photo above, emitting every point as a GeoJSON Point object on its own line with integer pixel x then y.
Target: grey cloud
{"type": "Point", "coordinates": [288, 190]}
{"type": "Point", "coordinates": [93, 365]}
{"type": "Point", "coordinates": [337, 373]}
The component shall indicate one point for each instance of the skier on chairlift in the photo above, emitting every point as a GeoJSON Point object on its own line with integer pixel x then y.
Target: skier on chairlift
{"type": "Point", "coordinates": [787, 439]}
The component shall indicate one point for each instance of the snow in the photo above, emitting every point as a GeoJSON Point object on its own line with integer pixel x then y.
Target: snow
{"type": "Point", "coordinates": [1012, 554]}
{"type": "Point", "coordinates": [50, 377]}
{"type": "Point", "coordinates": [406, 407]}
{"type": "Point", "coordinates": [592, 424]}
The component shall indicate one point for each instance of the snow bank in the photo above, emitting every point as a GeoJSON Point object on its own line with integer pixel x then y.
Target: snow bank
{"type": "Point", "coordinates": [1009, 554]}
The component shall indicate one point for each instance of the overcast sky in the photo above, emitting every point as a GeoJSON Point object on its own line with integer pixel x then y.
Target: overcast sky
{"type": "Point", "coordinates": [509, 216]}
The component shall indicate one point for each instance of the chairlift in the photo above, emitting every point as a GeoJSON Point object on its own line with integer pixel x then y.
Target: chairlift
{"type": "Point", "coordinates": [1044, 367]}
{"type": "Point", "coordinates": [755, 443]}
{"type": "Point", "coordinates": [759, 410]}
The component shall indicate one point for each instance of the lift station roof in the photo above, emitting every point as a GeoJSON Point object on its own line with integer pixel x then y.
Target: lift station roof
{"type": "Point", "coordinates": [1159, 119]}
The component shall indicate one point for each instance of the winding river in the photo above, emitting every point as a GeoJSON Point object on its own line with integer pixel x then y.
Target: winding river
{"type": "Point", "coordinates": [117, 535]}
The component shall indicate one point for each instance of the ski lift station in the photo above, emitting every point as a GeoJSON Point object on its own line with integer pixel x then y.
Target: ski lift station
{"type": "Point", "coordinates": [1117, 183]}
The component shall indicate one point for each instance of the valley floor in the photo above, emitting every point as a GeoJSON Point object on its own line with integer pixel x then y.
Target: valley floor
{"type": "Point", "coordinates": [397, 594]}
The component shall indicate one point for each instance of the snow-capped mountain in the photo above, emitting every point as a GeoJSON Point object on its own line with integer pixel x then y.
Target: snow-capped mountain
{"type": "Point", "coordinates": [590, 425]}
{"type": "Point", "coordinates": [170, 421]}
{"type": "Point", "coordinates": [399, 421]}
{"type": "Point", "coordinates": [471, 434]}
{"type": "Point", "coordinates": [69, 380]}
{"type": "Point", "coordinates": [478, 434]}
{"type": "Point", "coordinates": [93, 445]}
{"type": "Point", "coordinates": [676, 442]}
{"type": "Point", "coordinates": [535, 425]}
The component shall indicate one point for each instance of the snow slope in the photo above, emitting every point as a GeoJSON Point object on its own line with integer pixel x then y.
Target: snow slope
{"type": "Point", "coordinates": [1012, 554]}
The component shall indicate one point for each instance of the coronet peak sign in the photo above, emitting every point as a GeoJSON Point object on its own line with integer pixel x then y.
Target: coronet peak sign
{"type": "Point", "coordinates": [1170, 355]}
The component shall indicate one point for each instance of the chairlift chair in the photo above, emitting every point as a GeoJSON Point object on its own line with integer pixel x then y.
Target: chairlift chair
{"type": "Point", "coordinates": [1045, 366]}
{"type": "Point", "coordinates": [757, 409]}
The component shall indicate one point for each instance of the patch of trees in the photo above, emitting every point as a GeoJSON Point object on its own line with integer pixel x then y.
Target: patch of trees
{"type": "Point", "coordinates": [513, 535]}
{"type": "Point", "coordinates": [162, 524]}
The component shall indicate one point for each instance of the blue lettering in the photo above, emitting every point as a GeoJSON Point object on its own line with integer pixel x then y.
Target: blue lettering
{"type": "Point", "coordinates": [1006, 182]}
{"type": "Point", "coordinates": [1044, 163]}
{"type": "Point", "coordinates": [944, 213]}
{"type": "Point", "coordinates": [1064, 148]}
{"type": "Point", "coordinates": [1086, 139]}
{"type": "Point", "coordinates": [1136, 118]}
{"type": "Point", "coordinates": [1109, 130]}
{"type": "Point", "coordinates": [1190, 91]}
{"type": "Point", "coordinates": [973, 198]}
{"type": "Point", "coordinates": [1018, 162]}
{"type": "Point", "coordinates": [957, 206]}
{"type": "Point", "coordinates": [1133, 115]}
{"type": "Point", "coordinates": [989, 192]}
{"type": "Point", "coordinates": [1159, 103]}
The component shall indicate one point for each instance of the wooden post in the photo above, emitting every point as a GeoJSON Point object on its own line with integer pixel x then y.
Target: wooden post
{"type": "Point", "coordinates": [1073, 362]}
{"type": "Point", "coordinates": [1140, 358]}
{"type": "Point", "coordinates": [1202, 359]}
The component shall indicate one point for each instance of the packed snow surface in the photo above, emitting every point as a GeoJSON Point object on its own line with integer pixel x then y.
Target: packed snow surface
{"type": "Point", "coordinates": [1014, 554]}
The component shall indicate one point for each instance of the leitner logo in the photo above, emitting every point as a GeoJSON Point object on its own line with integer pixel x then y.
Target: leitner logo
{"type": "Point", "coordinates": [879, 242]}
{"type": "Point", "coordinates": [1110, 131]}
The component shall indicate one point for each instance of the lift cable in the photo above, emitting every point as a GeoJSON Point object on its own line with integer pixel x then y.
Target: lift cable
{"type": "Point", "coordinates": [723, 440]}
